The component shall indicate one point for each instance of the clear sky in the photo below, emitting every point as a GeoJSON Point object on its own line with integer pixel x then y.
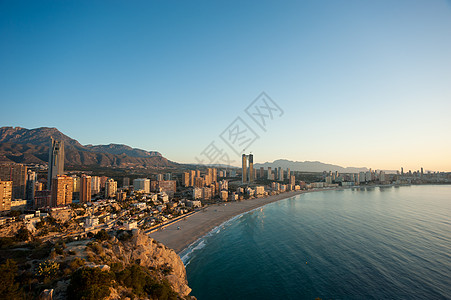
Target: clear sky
{"type": "Point", "coordinates": [360, 83]}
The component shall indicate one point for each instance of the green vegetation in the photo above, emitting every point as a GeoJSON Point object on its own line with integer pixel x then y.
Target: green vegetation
{"type": "Point", "coordinates": [102, 235]}
{"type": "Point", "coordinates": [143, 284]}
{"type": "Point", "coordinates": [36, 266]}
{"type": "Point", "coordinates": [9, 289]}
{"type": "Point", "coordinates": [47, 269]}
{"type": "Point", "coordinates": [23, 235]}
{"type": "Point", "coordinates": [90, 284]}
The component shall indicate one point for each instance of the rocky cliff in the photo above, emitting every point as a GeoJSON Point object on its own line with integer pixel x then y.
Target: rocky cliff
{"type": "Point", "coordinates": [150, 254]}
{"type": "Point", "coordinates": [122, 251]}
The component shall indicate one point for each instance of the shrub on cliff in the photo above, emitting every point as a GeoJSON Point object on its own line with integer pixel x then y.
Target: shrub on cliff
{"type": "Point", "coordinates": [22, 235]}
{"type": "Point", "coordinates": [144, 284]}
{"type": "Point", "coordinates": [90, 284]}
{"type": "Point", "coordinates": [102, 235]}
{"type": "Point", "coordinates": [9, 289]}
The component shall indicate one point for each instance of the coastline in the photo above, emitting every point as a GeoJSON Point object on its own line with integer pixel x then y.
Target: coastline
{"type": "Point", "coordinates": [198, 225]}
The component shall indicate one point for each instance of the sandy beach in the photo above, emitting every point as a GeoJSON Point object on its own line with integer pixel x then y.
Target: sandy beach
{"type": "Point", "coordinates": [199, 224]}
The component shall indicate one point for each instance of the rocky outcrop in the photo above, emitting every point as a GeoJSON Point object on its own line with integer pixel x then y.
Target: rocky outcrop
{"type": "Point", "coordinates": [128, 248]}
{"type": "Point", "coordinates": [149, 253]}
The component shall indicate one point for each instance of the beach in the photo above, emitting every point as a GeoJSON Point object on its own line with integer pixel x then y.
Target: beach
{"type": "Point", "coordinates": [202, 222]}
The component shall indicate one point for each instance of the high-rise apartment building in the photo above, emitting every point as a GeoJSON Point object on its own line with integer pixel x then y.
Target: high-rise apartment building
{"type": "Point", "coordinates": [103, 180]}
{"type": "Point", "coordinates": [62, 189]}
{"type": "Point", "coordinates": [110, 188]}
{"type": "Point", "coordinates": [17, 173]}
{"type": "Point", "coordinates": [142, 184]}
{"type": "Point", "coordinates": [270, 174]}
{"type": "Point", "coordinates": [85, 188]}
{"type": "Point", "coordinates": [214, 177]}
{"type": "Point", "coordinates": [207, 179]}
{"type": "Point", "coordinates": [280, 173]}
{"type": "Point", "coordinates": [251, 169]}
{"type": "Point", "coordinates": [42, 198]}
{"type": "Point", "coordinates": [56, 161]}
{"type": "Point", "coordinates": [192, 175]}
{"type": "Point", "coordinates": [199, 182]}
{"type": "Point", "coordinates": [31, 187]}
{"type": "Point", "coordinates": [6, 190]}
{"type": "Point", "coordinates": [223, 185]}
{"type": "Point", "coordinates": [95, 184]}
{"type": "Point", "coordinates": [167, 186]}
{"type": "Point", "coordinates": [243, 168]}
{"type": "Point", "coordinates": [125, 182]}
{"type": "Point", "coordinates": [185, 179]}
{"type": "Point", "coordinates": [76, 183]}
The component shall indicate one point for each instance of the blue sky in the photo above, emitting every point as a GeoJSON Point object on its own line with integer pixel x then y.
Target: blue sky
{"type": "Point", "coordinates": [361, 83]}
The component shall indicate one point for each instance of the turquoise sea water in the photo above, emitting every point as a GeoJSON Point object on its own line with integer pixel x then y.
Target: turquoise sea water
{"type": "Point", "coordinates": [375, 243]}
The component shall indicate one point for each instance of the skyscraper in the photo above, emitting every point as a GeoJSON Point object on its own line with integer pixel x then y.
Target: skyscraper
{"type": "Point", "coordinates": [192, 175]}
{"type": "Point", "coordinates": [110, 188]}
{"type": "Point", "coordinates": [85, 189]}
{"type": "Point", "coordinates": [244, 169]}
{"type": "Point", "coordinates": [95, 184]}
{"type": "Point", "coordinates": [142, 184]}
{"type": "Point", "coordinates": [251, 168]}
{"type": "Point", "coordinates": [56, 161]}
{"type": "Point", "coordinates": [17, 173]}
{"type": "Point", "coordinates": [31, 186]}
{"type": "Point", "coordinates": [62, 189]}
{"type": "Point", "coordinates": [214, 177]}
{"type": "Point", "coordinates": [126, 182]}
{"type": "Point", "coordinates": [185, 179]}
{"type": "Point", "coordinates": [6, 188]}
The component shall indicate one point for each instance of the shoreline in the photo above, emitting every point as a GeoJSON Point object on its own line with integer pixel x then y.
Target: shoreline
{"type": "Point", "coordinates": [201, 223]}
{"type": "Point", "coordinates": [194, 227]}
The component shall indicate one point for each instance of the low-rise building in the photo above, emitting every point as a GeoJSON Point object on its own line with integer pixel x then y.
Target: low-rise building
{"type": "Point", "coordinates": [91, 222]}
{"type": "Point", "coordinates": [224, 195]}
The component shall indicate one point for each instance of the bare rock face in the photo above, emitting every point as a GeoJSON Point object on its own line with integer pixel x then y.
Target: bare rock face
{"type": "Point", "coordinates": [148, 253]}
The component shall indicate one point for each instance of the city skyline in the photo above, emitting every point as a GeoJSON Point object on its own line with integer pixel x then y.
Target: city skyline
{"type": "Point", "coordinates": [360, 84]}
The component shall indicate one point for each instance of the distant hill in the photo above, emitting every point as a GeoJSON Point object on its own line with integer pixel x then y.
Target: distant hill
{"type": "Point", "coordinates": [23, 145]}
{"type": "Point", "coordinates": [309, 166]}
{"type": "Point", "coordinates": [122, 149]}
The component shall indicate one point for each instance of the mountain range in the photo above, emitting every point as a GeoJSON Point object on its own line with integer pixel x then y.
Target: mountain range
{"type": "Point", "coordinates": [23, 145]}
{"type": "Point", "coordinates": [308, 166]}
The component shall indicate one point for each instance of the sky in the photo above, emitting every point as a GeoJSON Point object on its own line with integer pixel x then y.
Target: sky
{"type": "Point", "coordinates": [355, 83]}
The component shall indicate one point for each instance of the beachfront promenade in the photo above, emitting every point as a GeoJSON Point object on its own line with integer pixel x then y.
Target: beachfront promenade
{"type": "Point", "coordinates": [200, 223]}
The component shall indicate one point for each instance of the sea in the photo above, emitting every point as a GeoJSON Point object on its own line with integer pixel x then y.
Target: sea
{"type": "Point", "coordinates": [361, 243]}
